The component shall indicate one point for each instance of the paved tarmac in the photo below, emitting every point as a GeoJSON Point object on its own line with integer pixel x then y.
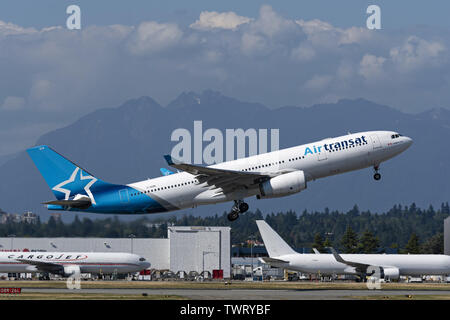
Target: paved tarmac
{"type": "Point", "coordinates": [245, 294]}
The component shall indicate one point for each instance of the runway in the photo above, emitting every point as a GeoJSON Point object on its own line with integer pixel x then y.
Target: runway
{"type": "Point", "coordinates": [250, 294]}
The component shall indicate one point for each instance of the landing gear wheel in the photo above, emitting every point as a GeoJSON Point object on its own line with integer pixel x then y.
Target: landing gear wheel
{"type": "Point", "coordinates": [376, 176]}
{"type": "Point", "coordinates": [243, 207]}
{"type": "Point", "coordinates": [233, 215]}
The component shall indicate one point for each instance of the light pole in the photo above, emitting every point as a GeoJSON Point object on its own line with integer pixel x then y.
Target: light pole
{"type": "Point", "coordinates": [252, 237]}
{"type": "Point", "coordinates": [131, 236]}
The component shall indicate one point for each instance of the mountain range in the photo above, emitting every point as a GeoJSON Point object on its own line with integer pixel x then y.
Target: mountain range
{"type": "Point", "coordinates": [126, 144]}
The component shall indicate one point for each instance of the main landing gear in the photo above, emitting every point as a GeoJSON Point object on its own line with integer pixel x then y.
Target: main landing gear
{"type": "Point", "coordinates": [377, 176]}
{"type": "Point", "coordinates": [238, 207]}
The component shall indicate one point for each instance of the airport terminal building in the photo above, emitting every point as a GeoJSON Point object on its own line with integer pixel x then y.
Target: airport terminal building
{"type": "Point", "coordinates": [185, 249]}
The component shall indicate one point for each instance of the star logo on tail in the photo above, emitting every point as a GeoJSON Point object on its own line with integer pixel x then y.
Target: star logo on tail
{"type": "Point", "coordinates": [75, 178]}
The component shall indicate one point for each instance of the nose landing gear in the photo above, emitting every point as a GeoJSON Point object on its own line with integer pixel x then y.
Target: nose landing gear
{"type": "Point", "coordinates": [238, 207]}
{"type": "Point", "coordinates": [377, 176]}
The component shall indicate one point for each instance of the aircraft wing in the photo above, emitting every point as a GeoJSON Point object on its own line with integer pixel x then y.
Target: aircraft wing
{"type": "Point", "coordinates": [43, 266]}
{"type": "Point", "coordinates": [227, 180]}
{"type": "Point", "coordinates": [360, 267]}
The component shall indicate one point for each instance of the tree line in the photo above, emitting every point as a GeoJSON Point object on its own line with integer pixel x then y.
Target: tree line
{"type": "Point", "coordinates": [402, 229]}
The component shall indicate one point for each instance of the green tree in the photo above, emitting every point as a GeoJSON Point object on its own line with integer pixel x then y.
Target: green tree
{"type": "Point", "coordinates": [368, 243]}
{"type": "Point", "coordinates": [434, 245]}
{"type": "Point", "coordinates": [327, 243]}
{"type": "Point", "coordinates": [318, 242]}
{"type": "Point", "coordinates": [349, 241]}
{"type": "Point", "coordinates": [413, 245]}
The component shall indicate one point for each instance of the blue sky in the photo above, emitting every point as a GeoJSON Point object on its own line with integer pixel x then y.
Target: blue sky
{"type": "Point", "coordinates": [274, 52]}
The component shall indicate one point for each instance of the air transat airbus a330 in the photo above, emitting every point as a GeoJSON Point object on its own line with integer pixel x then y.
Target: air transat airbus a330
{"type": "Point", "coordinates": [269, 175]}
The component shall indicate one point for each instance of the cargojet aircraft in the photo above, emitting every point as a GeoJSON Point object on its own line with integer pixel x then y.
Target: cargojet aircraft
{"type": "Point", "coordinates": [269, 175]}
{"type": "Point", "coordinates": [388, 266]}
{"type": "Point", "coordinates": [68, 263]}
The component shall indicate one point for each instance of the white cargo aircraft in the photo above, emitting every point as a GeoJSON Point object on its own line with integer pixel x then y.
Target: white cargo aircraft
{"type": "Point", "coordinates": [270, 175]}
{"type": "Point", "coordinates": [68, 263]}
{"type": "Point", "coordinates": [388, 266]}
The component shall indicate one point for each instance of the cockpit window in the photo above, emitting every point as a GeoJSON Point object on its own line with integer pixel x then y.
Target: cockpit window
{"type": "Point", "coordinates": [395, 136]}
{"type": "Point", "coordinates": [141, 259]}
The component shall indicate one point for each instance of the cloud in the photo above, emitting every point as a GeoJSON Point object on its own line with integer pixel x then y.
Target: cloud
{"type": "Point", "coordinates": [270, 58]}
{"type": "Point", "coordinates": [13, 103]}
{"type": "Point", "coordinates": [152, 37]}
{"type": "Point", "coordinates": [7, 28]}
{"type": "Point", "coordinates": [304, 52]}
{"type": "Point", "coordinates": [270, 34]}
{"type": "Point", "coordinates": [416, 52]}
{"type": "Point", "coordinates": [371, 67]}
{"type": "Point", "coordinates": [254, 44]}
{"type": "Point", "coordinates": [271, 24]}
{"type": "Point", "coordinates": [324, 34]}
{"type": "Point", "coordinates": [209, 20]}
{"type": "Point", "coordinates": [318, 82]}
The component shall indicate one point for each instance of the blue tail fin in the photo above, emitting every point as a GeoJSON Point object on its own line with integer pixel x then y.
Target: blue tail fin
{"type": "Point", "coordinates": [65, 179]}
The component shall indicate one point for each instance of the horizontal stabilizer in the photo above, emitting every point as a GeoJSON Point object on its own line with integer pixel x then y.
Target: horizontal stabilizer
{"type": "Point", "coordinates": [80, 203]}
{"type": "Point", "coordinates": [269, 260]}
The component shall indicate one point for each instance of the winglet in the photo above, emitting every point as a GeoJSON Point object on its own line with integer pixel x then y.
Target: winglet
{"type": "Point", "coordinates": [169, 159]}
{"type": "Point", "coordinates": [165, 172]}
{"type": "Point", "coordinates": [337, 256]}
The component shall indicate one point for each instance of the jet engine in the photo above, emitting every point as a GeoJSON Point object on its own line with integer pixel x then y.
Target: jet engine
{"type": "Point", "coordinates": [283, 185]}
{"type": "Point", "coordinates": [71, 271]}
{"type": "Point", "coordinates": [390, 273]}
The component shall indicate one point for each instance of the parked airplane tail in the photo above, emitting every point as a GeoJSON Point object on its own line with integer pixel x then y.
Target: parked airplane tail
{"type": "Point", "coordinates": [67, 181]}
{"type": "Point", "coordinates": [275, 245]}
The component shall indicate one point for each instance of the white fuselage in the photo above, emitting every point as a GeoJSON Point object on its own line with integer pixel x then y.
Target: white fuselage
{"type": "Point", "coordinates": [89, 262]}
{"type": "Point", "coordinates": [318, 160]}
{"type": "Point", "coordinates": [407, 264]}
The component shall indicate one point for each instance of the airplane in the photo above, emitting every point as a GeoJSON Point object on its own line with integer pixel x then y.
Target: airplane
{"type": "Point", "coordinates": [389, 266]}
{"type": "Point", "coordinates": [68, 263]}
{"type": "Point", "coordinates": [270, 175]}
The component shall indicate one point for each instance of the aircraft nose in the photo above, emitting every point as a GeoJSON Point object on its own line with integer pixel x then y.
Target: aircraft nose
{"type": "Point", "coordinates": [408, 141]}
